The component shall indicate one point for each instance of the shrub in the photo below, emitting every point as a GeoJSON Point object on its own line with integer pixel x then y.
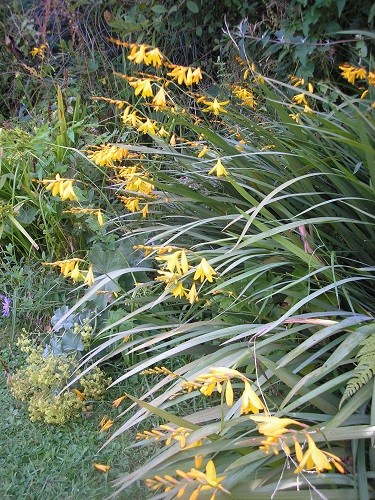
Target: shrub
{"type": "Point", "coordinates": [48, 370]}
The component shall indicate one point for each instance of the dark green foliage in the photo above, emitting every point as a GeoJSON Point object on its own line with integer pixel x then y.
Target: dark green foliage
{"type": "Point", "coordinates": [308, 38]}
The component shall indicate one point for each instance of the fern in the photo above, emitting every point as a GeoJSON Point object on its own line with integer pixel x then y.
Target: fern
{"type": "Point", "coordinates": [365, 369]}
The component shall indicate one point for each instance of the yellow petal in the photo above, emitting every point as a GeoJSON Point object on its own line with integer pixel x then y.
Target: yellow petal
{"type": "Point", "coordinates": [229, 393]}
{"type": "Point", "coordinates": [211, 471]}
{"type": "Point", "coordinates": [89, 280]}
{"type": "Point", "coordinates": [101, 467]}
{"type": "Point", "coordinates": [79, 394]}
{"type": "Point", "coordinates": [116, 403]}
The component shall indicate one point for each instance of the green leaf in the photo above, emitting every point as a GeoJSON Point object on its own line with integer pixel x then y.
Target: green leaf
{"type": "Point", "coordinates": [192, 6]}
{"type": "Point", "coordinates": [159, 9]}
{"type": "Point", "coordinates": [340, 6]}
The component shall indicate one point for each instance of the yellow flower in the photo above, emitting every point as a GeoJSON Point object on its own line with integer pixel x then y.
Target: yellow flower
{"type": "Point", "coordinates": [34, 51]}
{"type": "Point", "coordinates": [69, 267]}
{"type": "Point", "coordinates": [138, 54]}
{"type": "Point", "coordinates": [159, 99]}
{"type": "Point", "coordinates": [208, 388]}
{"type": "Point", "coordinates": [178, 73]}
{"type": "Point", "coordinates": [177, 261]}
{"type": "Point", "coordinates": [76, 273]}
{"type": "Point", "coordinates": [315, 458]}
{"type": "Point", "coordinates": [297, 82]}
{"type": "Point", "coordinates": [179, 290]}
{"type": "Point", "coordinates": [101, 467]}
{"type": "Point", "coordinates": [89, 280]}
{"type": "Point", "coordinates": [197, 75]}
{"type": "Point", "coordinates": [100, 217]}
{"type": "Point", "coordinates": [116, 403]}
{"type": "Point", "coordinates": [364, 94]}
{"type": "Point", "coordinates": [168, 278]}
{"type": "Point", "coordinates": [38, 51]}
{"type": "Point", "coordinates": [215, 379]}
{"type": "Point", "coordinates": [204, 271]}
{"type": "Point", "coordinates": [130, 117]}
{"type": "Point", "coordinates": [208, 480]}
{"type": "Point", "coordinates": [106, 155]}
{"type": "Point", "coordinates": [352, 73]}
{"type": "Point", "coordinates": [371, 77]}
{"type": "Point", "coordinates": [153, 57]}
{"type": "Point", "coordinates": [162, 132]}
{"type": "Point", "coordinates": [245, 95]}
{"type": "Point", "coordinates": [143, 87]}
{"type": "Point", "coordinates": [295, 117]}
{"type": "Point", "coordinates": [148, 127]}
{"type": "Point", "coordinates": [215, 107]}
{"type": "Point", "coordinates": [229, 393]}
{"type": "Point", "coordinates": [106, 425]}
{"type": "Point", "coordinates": [68, 191]}
{"type": "Point", "coordinates": [273, 426]}
{"type": "Point", "coordinates": [144, 210]}
{"type": "Point", "coordinates": [61, 187]}
{"type": "Point", "coordinates": [189, 77]}
{"type": "Point", "coordinates": [192, 296]}
{"type": "Point", "coordinates": [202, 152]}
{"type": "Point", "coordinates": [300, 99]}
{"type": "Point", "coordinates": [132, 204]}
{"type": "Point", "coordinates": [250, 400]}
{"type": "Point", "coordinates": [218, 169]}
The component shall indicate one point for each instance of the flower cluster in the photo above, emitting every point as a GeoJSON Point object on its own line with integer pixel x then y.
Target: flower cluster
{"type": "Point", "coordinates": [39, 51]}
{"type": "Point", "coordinates": [169, 433]}
{"type": "Point", "coordinates": [44, 377]}
{"type": "Point", "coordinates": [105, 424]}
{"type": "Point", "coordinates": [107, 155]}
{"type": "Point", "coordinates": [353, 73]}
{"type": "Point", "coordinates": [206, 481]}
{"type": "Point", "coordinates": [159, 370]}
{"type": "Point", "coordinates": [275, 428]}
{"type": "Point", "coordinates": [246, 96]}
{"type": "Point", "coordinates": [117, 102]}
{"type": "Point", "coordinates": [95, 383]}
{"type": "Point", "coordinates": [174, 269]}
{"type": "Point", "coordinates": [301, 98]}
{"type": "Point", "coordinates": [40, 382]}
{"type": "Point", "coordinates": [220, 376]}
{"type": "Point", "coordinates": [94, 211]}
{"type": "Point", "coordinates": [60, 187]}
{"type": "Point", "coordinates": [139, 183]}
{"type": "Point", "coordinates": [85, 330]}
{"type": "Point", "coordinates": [70, 268]}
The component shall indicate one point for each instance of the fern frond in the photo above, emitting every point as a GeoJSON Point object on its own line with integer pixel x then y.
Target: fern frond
{"type": "Point", "coordinates": [365, 369]}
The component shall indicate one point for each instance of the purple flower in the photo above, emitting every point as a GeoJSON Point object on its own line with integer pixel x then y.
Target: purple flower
{"type": "Point", "coordinates": [5, 311]}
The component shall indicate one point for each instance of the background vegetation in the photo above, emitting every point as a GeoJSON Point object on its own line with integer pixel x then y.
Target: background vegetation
{"type": "Point", "coordinates": [214, 236]}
